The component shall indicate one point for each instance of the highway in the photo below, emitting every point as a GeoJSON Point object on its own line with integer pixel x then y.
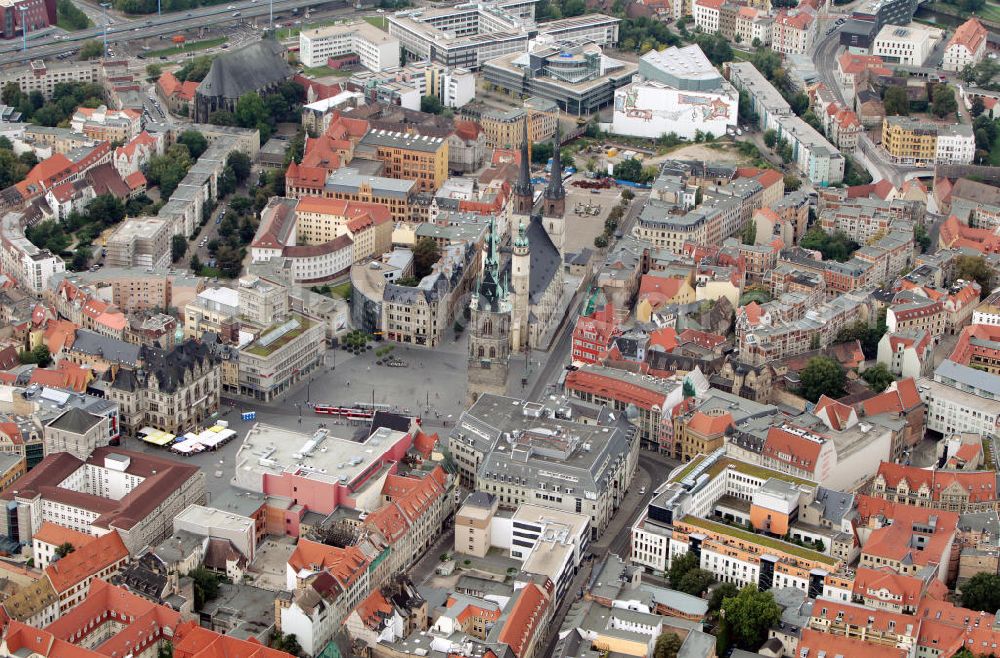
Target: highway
{"type": "Point", "coordinates": [154, 26]}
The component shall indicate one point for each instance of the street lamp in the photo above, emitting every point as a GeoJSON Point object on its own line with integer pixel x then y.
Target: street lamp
{"type": "Point", "coordinates": [159, 11]}
{"type": "Point", "coordinates": [24, 26]}
{"type": "Point", "coordinates": [105, 5]}
{"type": "Point", "coordinates": [271, 3]}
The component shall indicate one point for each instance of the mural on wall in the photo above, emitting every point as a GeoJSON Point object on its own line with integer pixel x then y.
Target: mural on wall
{"type": "Point", "coordinates": [699, 108]}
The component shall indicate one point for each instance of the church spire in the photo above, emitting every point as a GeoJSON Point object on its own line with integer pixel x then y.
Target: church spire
{"type": "Point", "coordinates": [524, 191]}
{"type": "Point", "coordinates": [555, 190]}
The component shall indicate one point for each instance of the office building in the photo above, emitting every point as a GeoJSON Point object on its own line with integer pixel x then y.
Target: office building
{"type": "Point", "coordinates": [375, 48]}
{"type": "Point", "coordinates": [915, 141]}
{"type": "Point", "coordinates": [910, 45]}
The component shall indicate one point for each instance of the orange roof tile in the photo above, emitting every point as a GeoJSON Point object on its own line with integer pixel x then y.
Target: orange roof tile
{"type": "Point", "coordinates": [706, 425]}
{"type": "Point", "coordinates": [86, 561]}
{"type": "Point", "coordinates": [192, 641]}
{"type": "Point", "coordinates": [801, 451]}
{"type": "Point", "coordinates": [56, 535]}
{"type": "Point", "coordinates": [525, 617]}
{"type": "Point", "coordinates": [970, 34]}
{"type": "Point", "coordinates": [980, 486]}
{"type": "Point", "coordinates": [815, 643]}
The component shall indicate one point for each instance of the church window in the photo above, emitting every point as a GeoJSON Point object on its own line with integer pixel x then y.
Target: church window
{"type": "Point", "coordinates": [493, 352]}
{"type": "Point", "coordinates": [482, 351]}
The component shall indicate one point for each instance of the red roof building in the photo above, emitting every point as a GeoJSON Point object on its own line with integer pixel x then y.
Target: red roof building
{"type": "Point", "coordinates": [906, 538]}
{"type": "Point", "coordinates": [593, 334]}
{"type": "Point", "coordinates": [528, 618]}
{"type": "Point", "coordinates": [956, 491]}
{"type": "Point", "coordinates": [71, 575]}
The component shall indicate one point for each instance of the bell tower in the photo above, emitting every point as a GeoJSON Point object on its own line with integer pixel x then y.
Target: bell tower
{"type": "Point", "coordinates": [489, 338]}
{"type": "Point", "coordinates": [554, 204]}
{"type": "Point", "coordinates": [520, 279]}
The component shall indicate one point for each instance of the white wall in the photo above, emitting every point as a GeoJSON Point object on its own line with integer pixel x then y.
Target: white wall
{"type": "Point", "coordinates": [651, 111]}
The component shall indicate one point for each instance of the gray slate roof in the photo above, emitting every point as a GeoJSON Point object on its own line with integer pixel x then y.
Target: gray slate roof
{"type": "Point", "coordinates": [76, 420]}
{"type": "Point", "coordinates": [250, 68]}
{"type": "Point", "coordinates": [112, 349]}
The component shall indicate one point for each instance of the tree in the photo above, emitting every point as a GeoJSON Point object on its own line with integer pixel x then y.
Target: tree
{"type": "Point", "coordinates": [895, 101]}
{"type": "Point", "coordinates": [240, 164]}
{"type": "Point", "coordinates": [696, 581]}
{"type": "Point", "coordinates": [178, 247]}
{"type": "Point", "coordinates": [91, 50]}
{"type": "Point", "coordinates": [748, 615]}
{"type": "Point", "coordinates": [921, 237]}
{"type": "Point", "coordinates": [431, 104]}
{"type": "Point", "coordinates": [601, 241]}
{"type": "Point", "coordinates": [11, 94]}
{"type": "Point", "coordinates": [195, 70]}
{"type": "Point", "coordinates": [878, 377]}
{"type": "Point", "coordinates": [251, 113]}
{"type": "Point", "coordinates": [668, 645]}
{"type": "Point", "coordinates": [982, 592]}
{"type": "Point", "coordinates": [195, 141]}
{"type": "Point", "coordinates": [978, 107]}
{"type": "Point", "coordinates": [792, 183]}
{"type": "Point", "coordinates": [630, 170]}
{"type": "Point", "coordinates": [64, 549]}
{"type": "Point", "coordinates": [974, 268]}
{"type": "Point", "coordinates": [70, 16]}
{"type": "Point", "coordinates": [229, 260]}
{"type": "Point", "coordinates": [680, 566]}
{"type": "Point", "coordinates": [195, 264]}
{"type": "Point", "coordinates": [42, 356]}
{"type": "Point", "coordinates": [836, 246]}
{"type": "Point", "coordinates": [206, 586]}
{"type": "Point", "coordinates": [541, 152]}
{"type": "Point", "coordinates": [106, 210]}
{"type": "Point", "coordinates": [821, 376]}
{"type": "Point", "coordinates": [165, 650]}
{"type": "Point", "coordinates": [943, 100]}
{"type": "Point", "coordinates": [12, 169]}
{"type": "Point", "coordinates": [721, 593]}
{"type": "Point", "coordinates": [770, 138]}
{"type": "Point", "coordinates": [749, 233]}
{"type": "Point", "coordinates": [425, 254]}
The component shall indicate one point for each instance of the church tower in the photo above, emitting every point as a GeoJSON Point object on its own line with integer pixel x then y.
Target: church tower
{"type": "Point", "coordinates": [489, 337]}
{"type": "Point", "coordinates": [555, 193]}
{"type": "Point", "coordinates": [524, 191]}
{"type": "Point", "coordinates": [520, 278]}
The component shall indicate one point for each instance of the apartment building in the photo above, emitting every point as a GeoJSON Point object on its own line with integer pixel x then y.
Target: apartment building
{"type": "Point", "coordinates": [348, 184]}
{"type": "Point", "coordinates": [815, 157]}
{"type": "Point", "coordinates": [30, 266]}
{"type": "Point", "coordinates": [794, 31]}
{"type": "Point", "coordinates": [215, 310]}
{"type": "Point", "coordinates": [319, 221]}
{"type": "Point", "coordinates": [106, 125]}
{"type": "Point", "coordinates": [419, 158]}
{"type": "Point", "coordinates": [906, 353]}
{"type": "Point", "coordinates": [967, 46]}
{"type": "Point", "coordinates": [140, 242]}
{"type": "Point", "coordinates": [375, 48]}
{"type": "Point", "coordinates": [919, 315]}
{"type": "Point", "coordinates": [961, 399]}
{"type": "Point", "coordinates": [954, 491]}
{"type": "Point", "coordinates": [914, 141]}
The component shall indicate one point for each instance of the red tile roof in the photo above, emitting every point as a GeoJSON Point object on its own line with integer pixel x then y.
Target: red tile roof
{"type": "Point", "coordinates": [970, 34]}
{"type": "Point", "coordinates": [837, 414]}
{"type": "Point", "coordinates": [613, 388]}
{"type": "Point", "coordinates": [706, 425]}
{"type": "Point", "coordinates": [86, 561]}
{"type": "Point", "coordinates": [902, 397]}
{"type": "Point", "coordinates": [192, 641]}
{"type": "Point", "coordinates": [895, 541]}
{"type": "Point", "coordinates": [345, 564]}
{"type": "Point", "coordinates": [525, 617]}
{"type": "Point", "coordinates": [885, 584]}
{"type": "Point", "coordinates": [815, 643]}
{"type": "Point", "coordinates": [56, 535]}
{"type": "Point", "coordinates": [794, 446]}
{"type": "Point", "coordinates": [980, 486]}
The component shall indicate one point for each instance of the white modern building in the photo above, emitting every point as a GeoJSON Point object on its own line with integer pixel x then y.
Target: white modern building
{"type": "Point", "coordinates": [956, 144]}
{"type": "Point", "coordinates": [961, 399]}
{"type": "Point", "coordinates": [30, 266]}
{"type": "Point", "coordinates": [910, 45]}
{"type": "Point", "coordinates": [376, 48]}
{"type": "Point", "coordinates": [675, 91]}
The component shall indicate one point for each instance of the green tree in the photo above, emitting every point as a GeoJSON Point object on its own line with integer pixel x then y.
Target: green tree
{"type": "Point", "coordinates": [106, 210]}
{"type": "Point", "coordinates": [431, 104]}
{"type": "Point", "coordinates": [630, 170]}
{"type": "Point", "coordinates": [821, 376]}
{"type": "Point", "coordinates": [194, 141]}
{"type": "Point", "coordinates": [680, 567]}
{"type": "Point", "coordinates": [668, 645]}
{"type": "Point", "coordinates": [792, 183]}
{"type": "Point", "coordinates": [878, 377]}
{"type": "Point", "coordinates": [165, 650]}
{"type": "Point", "coordinates": [601, 241]}
{"type": "Point", "coordinates": [982, 592]}
{"type": "Point", "coordinates": [722, 592]}
{"type": "Point", "coordinates": [943, 100]}
{"type": "Point", "coordinates": [154, 71]}
{"type": "Point", "coordinates": [42, 356]}
{"type": "Point", "coordinates": [71, 17]}
{"type": "Point", "coordinates": [688, 388]}
{"type": "Point", "coordinates": [749, 233]}
{"type": "Point", "coordinates": [195, 264]}
{"type": "Point", "coordinates": [251, 113]}
{"type": "Point", "coordinates": [541, 152]}
{"type": "Point", "coordinates": [240, 164]}
{"type": "Point", "coordinates": [836, 246]}
{"type": "Point", "coordinates": [696, 581]}
{"type": "Point", "coordinates": [921, 237]}
{"type": "Point", "coordinates": [11, 94]}
{"type": "Point", "coordinates": [770, 138]}
{"type": "Point", "coordinates": [178, 247]}
{"type": "Point", "coordinates": [978, 107]}
{"type": "Point", "coordinates": [195, 70]}
{"type": "Point", "coordinates": [206, 586]}
{"type": "Point", "coordinates": [425, 254]}
{"type": "Point", "coordinates": [91, 50]}
{"type": "Point", "coordinates": [748, 615]}
{"type": "Point", "coordinates": [975, 268]}
{"type": "Point", "coordinates": [12, 169]}
{"type": "Point", "coordinates": [64, 549]}
{"type": "Point", "coordinates": [895, 101]}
